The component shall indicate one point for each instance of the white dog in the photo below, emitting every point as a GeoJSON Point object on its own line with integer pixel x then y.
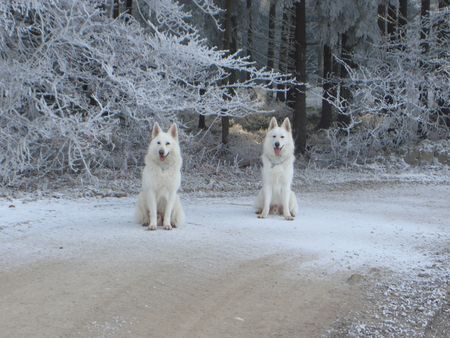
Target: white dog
{"type": "Point", "coordinates": [161, 180]}
{"type": "Point", "coordinates": [278, 159]}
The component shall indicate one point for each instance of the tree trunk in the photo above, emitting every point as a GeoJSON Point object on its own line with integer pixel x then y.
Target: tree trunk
{"type": "Point", "coordinates": [284, 47]}
{"type": "Point", "coordinates": [382, 19]}
{"type": "Point", "coordinates": [387, 22]}
{"type": "Point", "coordinates": [423, 90]}
{"type": "Point", "coordinates": [402, 21]}
{"type": "Point", "coordinates": [424, 12]}
{"type": "Point", "coordinates": [291, 55]}
{"type": "Point", "coordinates": [201, 122]}
{"type": "Point", "coordinates": [249, 31]}
{"type": "Point", "coordinates": [116, 8]}
{"type": "Point", "coordinates": [336, 71]}
{"type": "Point", "coordinates": [129, 6]}
{"type": "Point", "coordinates": [402, 43]}
{"type": "Point", "coordinates": [345, 93]}
{"type": "Point", "coordinates": [391, 21]}
{"type": "Point", "coordinates": [271, 40]}
{"type": "Point", "coordinates": [326, 117]}
{"type": "Point", "coordinates": [403, 13]}
{"type": "Point", "coordinates": [201, 118]}
{"type": "Point", "coordinates": [299, 118]}
{"type": "Point", "coordinates": [229, 43]}
{"type": "Point", "coordinates": [391, 31]}
{"type": "Point", "coordinates": [442, 95]}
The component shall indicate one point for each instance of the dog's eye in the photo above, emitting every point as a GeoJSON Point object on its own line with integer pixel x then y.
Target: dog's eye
{"type": "Point", "coordinates": [274, 136]}
{"type": "Point", "coordinates": [167, 143]}
{"type": "Point", "coordinates": [158, 142]}
{"type": "Point", "coordinates": [282, 136]}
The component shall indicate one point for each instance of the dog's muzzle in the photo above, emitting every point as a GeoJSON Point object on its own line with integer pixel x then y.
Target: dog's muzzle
{"type": "Point", "coordinates": [162, 156]}
{"type": "Point", "coordinates": [277, 149]}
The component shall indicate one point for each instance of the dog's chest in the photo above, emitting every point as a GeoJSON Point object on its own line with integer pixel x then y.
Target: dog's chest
{"type": "Point", "coordinates": [277, 173]}
{"type": "Point", "coordinates": [160, 178]}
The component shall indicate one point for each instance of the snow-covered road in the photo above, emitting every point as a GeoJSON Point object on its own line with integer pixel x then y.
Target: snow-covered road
{"type": "Point", "coordinates": [83, 268]}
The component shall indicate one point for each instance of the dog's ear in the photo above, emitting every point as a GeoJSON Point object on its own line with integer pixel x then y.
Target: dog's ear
{"type": "Point", "coordinates": [156, 130]}
{"type": "Point", "coordinates": [173, 130]}
{"type": "Point", "coordinates": [273, 123]}
{"type": "Point", "coordinates": [287, 124]}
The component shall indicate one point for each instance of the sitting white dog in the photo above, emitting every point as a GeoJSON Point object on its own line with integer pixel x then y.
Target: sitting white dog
{"type": "Point", "coordinates": [161, 179]}
{"type": "Point", "coordinates": [278, 159]}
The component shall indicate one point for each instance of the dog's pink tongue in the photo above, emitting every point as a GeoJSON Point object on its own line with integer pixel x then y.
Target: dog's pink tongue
{"type": "Point", "coordinates": [277, 151]}
{"type": "Point", "coordinates": [162, 157]}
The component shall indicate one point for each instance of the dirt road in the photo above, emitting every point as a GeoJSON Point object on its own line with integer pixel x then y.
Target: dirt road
{"type": "Point", "coordinates": [82, 268]}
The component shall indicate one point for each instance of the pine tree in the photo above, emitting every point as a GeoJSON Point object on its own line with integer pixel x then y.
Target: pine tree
{"type": "Point", "coordinates": [335, 23]}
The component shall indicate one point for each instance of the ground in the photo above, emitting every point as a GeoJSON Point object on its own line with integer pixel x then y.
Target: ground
{"type": "Point", "coordinates": [357, 261]}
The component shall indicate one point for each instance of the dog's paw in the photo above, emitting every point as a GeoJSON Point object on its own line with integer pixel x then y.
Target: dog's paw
{"type": "Point", "coordinates": [167, 227]}
{"type": "Point", "coordinates": [262, 216]}
{"type": "Point", "coordinates": [289, 218]}
{"type": "Point", "coordinates": [152, 227]}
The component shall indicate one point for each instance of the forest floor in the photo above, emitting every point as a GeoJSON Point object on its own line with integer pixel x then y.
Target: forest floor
{"type": "Point", "coordinates": [359, 260]}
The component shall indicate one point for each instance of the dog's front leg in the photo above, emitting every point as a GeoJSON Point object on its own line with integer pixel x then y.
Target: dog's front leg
{"type": "Point", "coordinates": [152, 207]}
{"type": "Point", "coordinates": [267, 198]}
{"type": "Point", "coordinates": [286, 196]}
{"type": "Point", "coordinates": [168, 211]}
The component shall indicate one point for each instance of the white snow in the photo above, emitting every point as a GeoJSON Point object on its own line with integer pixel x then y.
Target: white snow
{"type": "Point", "coordinates": [393, 227]}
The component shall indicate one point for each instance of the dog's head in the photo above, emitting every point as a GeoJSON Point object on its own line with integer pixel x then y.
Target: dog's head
{"type": "Point", "coordinates": [279, 138]}
{"type": "Point", "coordinates": [164, 144]}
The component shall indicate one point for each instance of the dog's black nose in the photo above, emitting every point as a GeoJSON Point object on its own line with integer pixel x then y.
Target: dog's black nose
{"type": "Point", "coordinates": [277, 144]}
{"type": "Point", "coordinates": [161, 152]}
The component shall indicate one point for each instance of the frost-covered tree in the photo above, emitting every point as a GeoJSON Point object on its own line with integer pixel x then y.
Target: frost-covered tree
{"type": "Point", "coordinates": [376, 124]}
{"type": "Point", "coordinates": [78, 88]}
{"type": "Point", "coordinates": [339, 26]}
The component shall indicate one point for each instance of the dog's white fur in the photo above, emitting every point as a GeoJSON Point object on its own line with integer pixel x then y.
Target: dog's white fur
{"type": "Point", "coordinates": [161, 179]}
{"type": "Point", "coordinates": [278, 159]}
